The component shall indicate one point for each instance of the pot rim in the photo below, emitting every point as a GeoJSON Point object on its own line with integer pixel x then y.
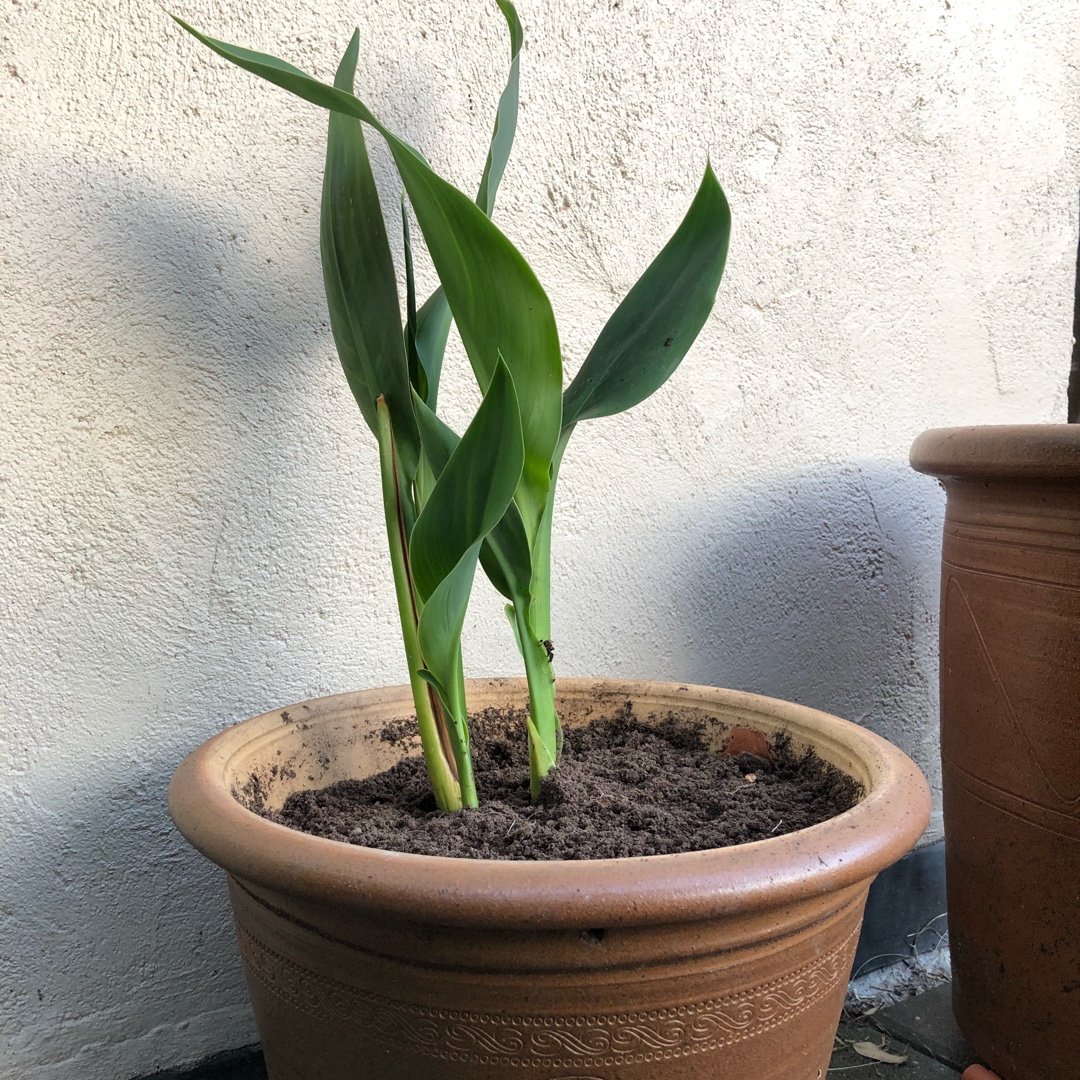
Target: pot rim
{"type": "Point", "coordinates": [638, 891]}
{"type": "Point", "coordinates": [1007, 451]}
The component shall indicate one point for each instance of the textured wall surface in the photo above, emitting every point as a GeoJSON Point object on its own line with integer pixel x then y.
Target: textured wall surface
{"type": "Point", "coordinates": [187, 504]}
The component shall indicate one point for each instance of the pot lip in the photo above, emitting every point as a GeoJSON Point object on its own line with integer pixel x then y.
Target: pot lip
{"type": "Point", "coordinates": [645, 890]}
{"type": "Point", "coordinates": [1007, 451]}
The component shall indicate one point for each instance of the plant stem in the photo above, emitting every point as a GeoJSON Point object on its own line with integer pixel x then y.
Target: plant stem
{"type": "Point", "coordinates": [459, 734]}
{"type": "Point", "coordinates": [543, 722]}
{"type": "Point", "coordinates": [434, 734]}
{"type": "Point", "coordinates": [532, 627]}
{"type": "Point", "coordinates": [540, 586]}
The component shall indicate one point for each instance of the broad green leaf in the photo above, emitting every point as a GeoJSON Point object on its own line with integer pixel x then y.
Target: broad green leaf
{"type": "Point", "coordinates": [441, 623]}
{"type": "Point", "coordinates": [358, 272]}
{"type": "Point", "coordinates": [505, 553]}
{"type": "Point", "coordinates": [434, 318]}
{"type": "Point", "coordinates": [500, 310]}
{"type": "Point", "coordinates": [657, 322]}
{"type": "Point", "coordinates": [498, 304]}
{"type": "Point", "coordinates": [473, 490]}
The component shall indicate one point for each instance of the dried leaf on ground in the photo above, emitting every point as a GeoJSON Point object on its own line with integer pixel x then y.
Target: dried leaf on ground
{"type": "Point", "coordinates": [878, 1053]}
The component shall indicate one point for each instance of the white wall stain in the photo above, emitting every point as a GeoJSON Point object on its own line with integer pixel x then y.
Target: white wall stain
{"type": "Point", "coordinates": [188, 500]}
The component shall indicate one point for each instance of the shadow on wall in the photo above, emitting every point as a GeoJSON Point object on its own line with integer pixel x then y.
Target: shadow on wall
{"type": "Point", "coordinates": [116, 952]}
{"type": "Point", "coordinates": [135, 642]}
{"type": "Point", "coordinates": [166, 587]}
{"type": "Point", "coordinates": [821, 589]}
{"type": "Point", "coordinates": [818, 586]}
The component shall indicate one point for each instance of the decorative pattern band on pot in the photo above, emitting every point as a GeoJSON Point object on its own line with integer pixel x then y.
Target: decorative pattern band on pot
{"type": "Point", "coordinates": [553, 1041]}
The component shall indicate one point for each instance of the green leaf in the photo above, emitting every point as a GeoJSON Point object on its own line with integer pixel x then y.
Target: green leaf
{"type": "Point", "coordinates": [434, 319]}
{"type": "Point", "coordinates": [437, 439]}
{"type": "Point", "coordinates": [657, 322]}
{"type": "Point", "coordinates": [498, 304]}
{"type": "Point", "coordinates": [291, 78]}
{"type": "Point", "coordinates": [473, 491]}
{"type": "Point", "coordinates": [441, 623]}
{"type": "Point", "coordinates": [500, 310]}
{"type": "Point", "coordinates": [417, 373]}
{"type": "Point", "coordinates": [505, 553]}
{"type": "Point", "coordinates": [432, 330]}
{"type": "Point", "coordinates": [358, 273]}
{"type": "Point", "coordinates": [436, 734]}
{"type": "Point", "coordinates": [502, 138]}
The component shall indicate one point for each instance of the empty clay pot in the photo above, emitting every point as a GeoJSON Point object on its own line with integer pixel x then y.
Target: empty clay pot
{"type": "Point", "coordinates": [1010, 738]}
{"type": "Point", "coordinates": [386, 966]}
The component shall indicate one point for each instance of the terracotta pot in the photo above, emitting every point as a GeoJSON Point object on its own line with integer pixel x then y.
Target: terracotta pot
{"type": "Point", "coordinates": [1010, 738]}
{"type": "Point", "coordinates": [383, 966]}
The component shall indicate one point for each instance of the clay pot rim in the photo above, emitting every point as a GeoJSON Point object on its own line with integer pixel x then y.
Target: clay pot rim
{"type": "Point", "coordinates": [1020, 451]}
{"type": "Point", "coordinates": [640, 891]}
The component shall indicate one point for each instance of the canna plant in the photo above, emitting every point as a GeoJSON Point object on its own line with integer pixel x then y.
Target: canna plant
{"type": "Point", "coordinates": [487, 496]}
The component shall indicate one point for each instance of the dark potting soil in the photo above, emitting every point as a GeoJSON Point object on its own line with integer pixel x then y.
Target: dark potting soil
{"type": "Point", "coordinates": [622, 788]}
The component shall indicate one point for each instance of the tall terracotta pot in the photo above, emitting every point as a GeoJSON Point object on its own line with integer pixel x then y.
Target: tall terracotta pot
{"type": "Point", "coordinates": [1010, 738]}
{"type": "Point", "coordinates": [374, 965]}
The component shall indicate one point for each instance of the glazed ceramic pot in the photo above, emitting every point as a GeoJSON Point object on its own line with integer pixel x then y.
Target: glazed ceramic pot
{"type": "Point", "coordinates": [1010, 738]}
{"type": "Point", "coordinates": [376, 965]}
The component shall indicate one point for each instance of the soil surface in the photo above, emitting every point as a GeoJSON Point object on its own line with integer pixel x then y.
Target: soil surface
{"type": "Point", "coordinates": [622, 788]}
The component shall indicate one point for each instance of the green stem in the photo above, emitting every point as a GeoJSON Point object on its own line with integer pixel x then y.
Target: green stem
{"type": "Point", "coordinates": [459, 717]}
{"type": "Point", "coordinates": [543, 723]}
{"type": "Point", "coordinates": [540, 586]}
{"type": "Point", "coordinates": [532, 627]}
{"type": "Point", "coordinates": [434, 734]}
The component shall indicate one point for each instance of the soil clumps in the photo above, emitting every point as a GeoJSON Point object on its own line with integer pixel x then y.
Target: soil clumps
{"type": "Point", "coordinates": [622, 788]}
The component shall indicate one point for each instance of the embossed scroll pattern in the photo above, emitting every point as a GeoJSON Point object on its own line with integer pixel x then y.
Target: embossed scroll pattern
{"type": "Point", "coordinates": [574, 1042]}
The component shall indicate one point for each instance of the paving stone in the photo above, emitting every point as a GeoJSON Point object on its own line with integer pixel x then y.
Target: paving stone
{"type": "Point", "coordinates": [926, 1023]}
{"type": "Point", "coordinates": [846, 1062]}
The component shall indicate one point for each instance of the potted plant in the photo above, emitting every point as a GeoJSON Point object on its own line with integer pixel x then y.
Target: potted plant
{"type": "Point", "coordinates": [1010, 735]}
{"type": "Point", "coordinates": [379, 963]}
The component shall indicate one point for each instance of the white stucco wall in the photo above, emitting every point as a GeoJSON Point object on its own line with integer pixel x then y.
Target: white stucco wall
{"type": "Point", "coordinates": [188, 514]}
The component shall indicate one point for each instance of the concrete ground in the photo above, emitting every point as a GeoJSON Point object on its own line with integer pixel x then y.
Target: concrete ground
{"type": "Point", "coordinates": [920, 1030]}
